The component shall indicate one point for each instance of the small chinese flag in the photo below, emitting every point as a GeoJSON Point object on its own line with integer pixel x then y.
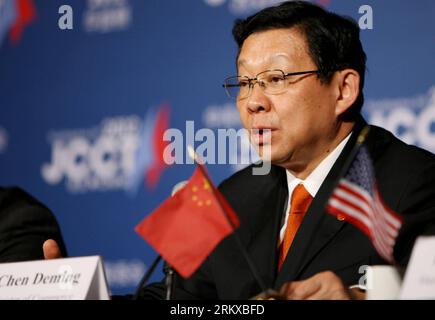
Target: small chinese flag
{"type": "Point", "coordinates": [188, 226]}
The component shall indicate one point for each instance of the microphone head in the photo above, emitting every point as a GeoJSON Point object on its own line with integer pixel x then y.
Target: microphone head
{"type": "Point", "coordinates": [180, 185]}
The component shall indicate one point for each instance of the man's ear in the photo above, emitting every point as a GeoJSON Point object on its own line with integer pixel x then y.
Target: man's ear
{"type": "Point", "coordinates": [347, 82]}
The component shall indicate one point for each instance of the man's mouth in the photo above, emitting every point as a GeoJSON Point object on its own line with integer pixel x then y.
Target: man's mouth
{"type": "Point", "coordinates": [261, 136]}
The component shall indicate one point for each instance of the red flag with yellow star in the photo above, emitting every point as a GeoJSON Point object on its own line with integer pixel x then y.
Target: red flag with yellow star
{"type": "Point", "coordinates": [188, 226]}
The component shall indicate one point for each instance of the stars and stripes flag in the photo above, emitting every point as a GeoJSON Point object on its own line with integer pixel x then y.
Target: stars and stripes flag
{"type": "Point", "coordinates": [358, 200]}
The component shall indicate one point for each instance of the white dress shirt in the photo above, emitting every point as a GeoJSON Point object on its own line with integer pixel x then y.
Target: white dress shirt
{"type": "Point", "coordinates": [313, 182]}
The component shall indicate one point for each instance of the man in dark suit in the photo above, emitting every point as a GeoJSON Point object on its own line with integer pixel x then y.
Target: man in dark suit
{"type": "Point", "coordinates": [28, 229]}
{"type": "Point", "coordinates": [299, 90]}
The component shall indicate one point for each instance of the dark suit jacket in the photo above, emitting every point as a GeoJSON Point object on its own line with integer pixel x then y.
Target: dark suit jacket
{"type": "Point", "coordinates": [25, 224]}
{"type": "Point", "coordinates": [406, 179]}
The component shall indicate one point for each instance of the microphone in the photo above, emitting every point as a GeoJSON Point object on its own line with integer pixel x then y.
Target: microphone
{"type": "Point", "coordinates": [180, 185]}
{"type": "Point", "coordinates": [170, 274]}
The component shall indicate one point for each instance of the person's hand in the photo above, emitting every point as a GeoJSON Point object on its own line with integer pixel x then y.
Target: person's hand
{"type": "Point", "coordinates": [322, 286]}
{"type": "Point", "coordinates": [51, 249]}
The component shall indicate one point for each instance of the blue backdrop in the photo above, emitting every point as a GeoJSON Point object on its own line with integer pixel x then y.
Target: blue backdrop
{"type": "Point", "coordinates": [76, 106]}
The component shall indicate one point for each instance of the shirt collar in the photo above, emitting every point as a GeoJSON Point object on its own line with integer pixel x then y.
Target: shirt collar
{"type": "Point", "coordinates": [313, 182]}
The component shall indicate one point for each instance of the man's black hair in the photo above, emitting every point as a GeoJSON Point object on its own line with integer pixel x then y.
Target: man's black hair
{"type": "Point", "coordinates": [333, 41]}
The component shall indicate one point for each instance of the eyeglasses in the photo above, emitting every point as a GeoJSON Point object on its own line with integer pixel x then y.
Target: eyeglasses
{"type": "Point", "coordinates": [270, 81]}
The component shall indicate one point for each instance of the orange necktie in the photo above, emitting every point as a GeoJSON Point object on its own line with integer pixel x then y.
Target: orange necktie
{"type": "Point", "coordinates": [300, 202]}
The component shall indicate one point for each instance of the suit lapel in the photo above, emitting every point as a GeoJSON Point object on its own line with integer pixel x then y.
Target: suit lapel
{"type": "Point", "coordinates": [318, 228]}
{"type": "Point", "coordinates": [265, 212]}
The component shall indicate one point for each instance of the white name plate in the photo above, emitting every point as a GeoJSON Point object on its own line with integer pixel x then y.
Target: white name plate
{"type": "Point", "coordinates": [419, 281]}
{"type": "Point", "coordinates": [58, 279]}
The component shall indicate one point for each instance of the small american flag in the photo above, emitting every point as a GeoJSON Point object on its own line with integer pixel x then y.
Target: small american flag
{"type": "Point", "coordinates": [357, 199]}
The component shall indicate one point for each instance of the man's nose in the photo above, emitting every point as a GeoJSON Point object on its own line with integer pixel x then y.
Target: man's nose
{"type": "Point", "coordinates": [257, 101]}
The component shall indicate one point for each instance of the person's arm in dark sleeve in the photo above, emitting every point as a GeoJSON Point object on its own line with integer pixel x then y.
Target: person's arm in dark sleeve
{"type": "Point", "coordinates": [25, 224]}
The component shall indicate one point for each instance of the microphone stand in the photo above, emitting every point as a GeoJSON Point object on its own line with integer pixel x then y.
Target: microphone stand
{"type": "Point", "coordinates": [169, 281]}
{"type": "Point", "coordinates": [147, 275]}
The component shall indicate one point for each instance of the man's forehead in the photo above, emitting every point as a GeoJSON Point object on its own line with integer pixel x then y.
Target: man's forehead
{"type": "Point", "coordinates": [278, 57]}
{"type": "Point", "coordinates": [272, 46]}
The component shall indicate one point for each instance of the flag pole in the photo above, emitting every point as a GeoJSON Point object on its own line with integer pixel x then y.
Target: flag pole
{"type": "Point", "coordinates": [362, 136]}
{"type": "Point", "coordinates": [245, 254]}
